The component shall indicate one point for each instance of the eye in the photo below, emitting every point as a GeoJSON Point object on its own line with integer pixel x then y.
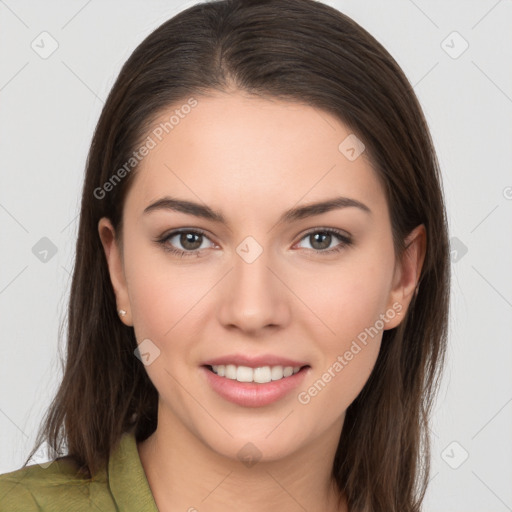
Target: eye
{"type": "Point", "coordinates": [321, 239]}
{"type": "Point", "coordinates": [190, 240]}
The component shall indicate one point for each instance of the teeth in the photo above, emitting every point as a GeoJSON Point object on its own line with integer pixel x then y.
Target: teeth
{"type": "Point", "coordinates": [230, 371]}
{"type": "Point", "coordinates": [261, 375]}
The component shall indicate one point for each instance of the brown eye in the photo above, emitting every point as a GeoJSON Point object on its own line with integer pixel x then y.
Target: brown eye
{"type": "Point", "coordinates": [190, 241]}
{"type": "Point", "coordinates": [321, 240]}
{"type": "Point", "coordinates": [184, 243]}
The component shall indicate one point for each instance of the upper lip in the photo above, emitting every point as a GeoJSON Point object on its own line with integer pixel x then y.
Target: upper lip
{"type": "Point", "coordinates": [254, 361]}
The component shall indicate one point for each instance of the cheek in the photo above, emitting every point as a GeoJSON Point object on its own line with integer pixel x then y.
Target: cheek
{"type": "Point", "coordinates": [347, 355]}
{"type": "Point", "coordinates": [348, 297]}
{"type": "Point", "coordinates": [165, 298]}
{"type": "Point", "coordinates": [349, 300]}
{"type": "Point", "coordinates": [167, 309]}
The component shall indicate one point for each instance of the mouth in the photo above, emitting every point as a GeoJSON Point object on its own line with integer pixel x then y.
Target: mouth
{"type": "Point", "coordinates": [256, 386]}
{"type": "Point", "coordinates": [258, 375]}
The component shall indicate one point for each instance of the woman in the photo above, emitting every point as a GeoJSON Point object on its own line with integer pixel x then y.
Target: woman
{"type": "Point", "coordinates": [247, 328]}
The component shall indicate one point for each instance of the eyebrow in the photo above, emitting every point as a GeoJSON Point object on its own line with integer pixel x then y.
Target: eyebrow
{"type": "Point", "coordinates": [294, 214]}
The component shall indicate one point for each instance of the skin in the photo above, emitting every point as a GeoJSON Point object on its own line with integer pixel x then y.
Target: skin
{"type": "Point", "coordinates": [251, 159]}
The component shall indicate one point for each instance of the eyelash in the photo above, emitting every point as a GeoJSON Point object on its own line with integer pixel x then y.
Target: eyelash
{"type": "Point", "coordinates": [345, 241]}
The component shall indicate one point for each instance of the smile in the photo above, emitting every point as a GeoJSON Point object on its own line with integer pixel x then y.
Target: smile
{"type": "Point", "coordinates": [260, 375]}
{"type": "Point", "coordinates": [253, 387]}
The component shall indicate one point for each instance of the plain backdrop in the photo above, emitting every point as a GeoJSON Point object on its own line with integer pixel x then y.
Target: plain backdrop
{"type": "Point", "coordinates": [456, 54]}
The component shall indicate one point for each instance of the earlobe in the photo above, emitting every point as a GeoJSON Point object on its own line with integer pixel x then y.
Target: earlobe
{"type": "Point", "coordinates": [408, 272]}
{"type": "Point", "coordinates": [115, 267]}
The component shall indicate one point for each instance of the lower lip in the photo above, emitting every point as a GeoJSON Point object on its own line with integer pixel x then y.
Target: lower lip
{"type": "Point", "coordinates": [251, 394]}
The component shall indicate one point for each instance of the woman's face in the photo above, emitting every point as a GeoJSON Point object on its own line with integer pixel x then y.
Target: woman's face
{"type": "Point", "coordinates": [312, 289]}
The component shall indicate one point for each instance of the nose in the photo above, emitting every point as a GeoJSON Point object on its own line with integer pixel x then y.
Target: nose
{"type": "Point", "coordinates": [254, 297]}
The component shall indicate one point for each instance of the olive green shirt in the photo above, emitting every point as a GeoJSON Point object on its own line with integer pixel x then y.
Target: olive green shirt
{"type": "Point", "coordinates": [55, 488]}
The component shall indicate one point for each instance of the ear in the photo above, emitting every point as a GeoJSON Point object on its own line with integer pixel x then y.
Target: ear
{"type": "Point", "coordinates": [113, 253]}
{"type": "Point", "coordinates": [407, 274]}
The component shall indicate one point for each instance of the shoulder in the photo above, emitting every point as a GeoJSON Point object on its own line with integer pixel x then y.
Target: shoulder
{"type": "Point", "coordinates": [53, 486]}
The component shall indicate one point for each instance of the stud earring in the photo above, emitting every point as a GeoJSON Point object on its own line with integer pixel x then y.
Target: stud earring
{"type": "Point", "coordinates": [121, 312]}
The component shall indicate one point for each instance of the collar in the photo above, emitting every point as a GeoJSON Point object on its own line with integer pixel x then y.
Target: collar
{"type": "Point", "coordinates": [127, 479]}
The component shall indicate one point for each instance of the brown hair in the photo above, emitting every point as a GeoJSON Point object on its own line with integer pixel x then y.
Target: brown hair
{"type": "Point", "coordinates": [298, 50]}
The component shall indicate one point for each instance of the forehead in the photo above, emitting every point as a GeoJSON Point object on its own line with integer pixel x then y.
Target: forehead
{"type": "Point", "coordinates": [240, 150]}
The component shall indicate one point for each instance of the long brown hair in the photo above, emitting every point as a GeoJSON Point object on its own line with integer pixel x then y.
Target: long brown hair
{"type": "Point", "coordinates": [299, 50]}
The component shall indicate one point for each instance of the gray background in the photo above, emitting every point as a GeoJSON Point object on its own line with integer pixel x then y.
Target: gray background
{"type": "Point", "coordinates": [48, 110]}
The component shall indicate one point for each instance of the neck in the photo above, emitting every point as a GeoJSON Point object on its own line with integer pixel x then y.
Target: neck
{"type": "Point", "coordinates": [186, 474]}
